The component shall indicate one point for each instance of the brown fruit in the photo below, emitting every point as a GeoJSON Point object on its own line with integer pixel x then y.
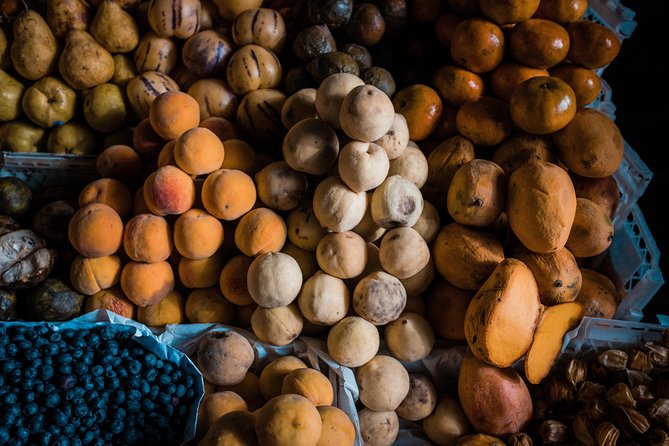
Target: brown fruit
{"type": "Point", "coordinates": [539, 43]}
{"type": "Point", "coordinates": [456, 84]}
{"type": "Point", "coordinates": [591, 44]}
{"type": "Point", "coordinates": [508, 75]}
{"type": "Point", "coordinates": [508, 11]}
{"type": "Point", "coordinates": [585, 82]}
{"type": "Point", "coordinates": [562, 11]}
{"type": "Point", "coordinates": [542, 105]}
{"type": "Point", "coordinates": [477, 44]}
{"type": "Point", "coordinates": [421, 106]}
{"type": "Point", "coordinates": [485, 121]}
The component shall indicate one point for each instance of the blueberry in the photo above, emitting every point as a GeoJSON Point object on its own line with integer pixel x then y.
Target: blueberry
{"type": "Point", "coordinates": [67, 381]}
{"type": "Point", "coordinates": [145, 387]}
{"type": "Point", "coordinates": [81, 410]}
{"type": "Point", "coordinates": [87, 422]}
{"type": "Point", "coordinates": [68, 430]}
{"type": "Point", "coordinates": [159, 364]}
{"type": "Point", "coordinates": [51, 349]}
{"type": "Point", "coordinates": [119, 414]}
{"type": "Point", "coordinates": [116, 361]}
{"type": "Point", "coordinates": [176, 375]}
{"type": "Point", "coordinates": [81, 369]}
{"type": "Point", "coordinates": [111, 346]}
{"type": "Point", "coordinates": [89, 437]}
{"type": "Point", "coordinates": [181, 390]}
{"type": "Point", "coordinates": [30, 409]}
{"type": "Point", "coordinates": [36, 422]}
{"type": "Point", "coordinates": [61, 441]}
{"type": "Point", "coordinates": [44, 439]}
{"type": "Point", "coordinates": [97, 370]}
{"type": "Point", "coordinates": [99, 382]}
{"type": "Point", "coordinates": [64, 369]}
{"type": "Point", "coordinates": [77, 354]}
{"type": "Point", "coordinates": [87, 358]}
{"type": "Point", "coordinates": [98, 403]}
{"type": "Point", "coordinates": [2, 383]}
{"type": "Point", "coordinates": [11, 350]}
{"type": "Point", "coordinates": [78, 343]}
{"type": "Point", "coordinates": [116, 427]}
{"type": "Point", "coordinates": [52, 400]}
{"type": "Point", "coordinates": [55, 337]}
{"type": "Point", "coordinates": [91, 395]}
{"type": "Point", "coordinates": [168, 367]}
{"type": "Point", "coordinates": [190, 393]}
{"type": "Point", "coordinates": [28, 397]}
{"type": "Point", "coordinates": [123, 374]}
{"type": "Point", "coordinates": [130, 436]}
{"type": "Point", "coordinates": [169, 411]}
{"type": "Point", "coordinates": [118, 397]}
{"type": "Point", "coordinates": [7, 366]}
{"type": "Point", "coordinates": [124, 353]}
{"type": "Point", "coordinates": [164, 399]}
{"type": "Point", "coordinates": [133, 406]}
{"type": "Point", "coordinates": [39, 386]}
{"type": "Point", "coordinates": [68, 333]}
{"type": "Point", "coordinates": [155, 390]}
{"type": "Point", "coordinates": [148, 405]}
{"type": "Point", "coordinates": [170, 389]}
{"type": "Point", "coordinates": [76, 441]}
{"type": "Point", "coordinates": [40, 342]}
{"type": "Point", "coordinates": [149, 360]}
{"type": "Point", "coordinates": [9, 399]}
{"type": "Point", "coordinates": [134, 367]}
{"type": "Point", "coordinates": [112, 383]}
{"type": "Point", "coordinates": [93, 339]}
{"type": "Point", "coordinates": [59, 418]}
{"type": "Point", "coordinates": [106, 333]}
{"type": "Point", "coordinates": [134, 395]}
{"type": "Point", "coordinates": [22, 433]}
{"type": "Point", "coordinates": [164, 379]}
{"type": "Point", "coordinates": [100, 442]}
{"type": "Point", "coordinates": [100, 415]}
{"type": "Point", "coordinates": [49, 387]}
{"type": "Point", "coordinates": [188, 381]}
{"type": "Point", "coordinates": [134, 382]}
{"type": "Point", "coordinates": [28, 383]}
{"type": "Point", "coordinates": [31, 354]}
{"type": "Point", "coordinates": [23, 344]}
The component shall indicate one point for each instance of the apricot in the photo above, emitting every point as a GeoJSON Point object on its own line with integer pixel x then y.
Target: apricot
{"type": "Point", "coordinates": [232, 280]}
{"type": "Point", "coordinates": [166, 154]}
{"type": "Point", "coordinates": [201, 273]}
{"type": "Point", "coordinates": [214, 406]}
{"type": "Point", "coordinates": [208, 306]}
{"type": "Point", "coordinates": [169, 191]}
{"type": "Point", "coordinates": [508, 75]}
{"type": "Point", "coordinates": [198, 151]}
{"type": "Point", "coordinates": [111, 299]}
{"type": "Point", "coordinates": [271, 377]}
{"type": "Point", "coordinates": [170, 310]}
{"type": "Point", "coordinates": [147, 238]}
{"type": "Point", "coordinates": [109, 191]}
{"type": "Point", "coordinates": [240, 155]}
{"type": "Point", "coordinates": [288, 420]}
{"type": "Point", "coordinates": [338, 429]}
{"type": "Point", "coordinates": [248, 389]}
{"type": "Point", "coordinates": [228, 194]}
{"type": "Point", "coordinates": [147, 283]}
{"type": "Point", "coordinates": [172, 113]}
{"type": "Point", "coordinates": [91, 275]}
{"type": "Point", "coordinates": [197, 234]}
{"type": "Point", "coordinates": [119, 161]}
{"type": "Point", "coordinates": [260, 231]}
{"type": "Point", "coordinates": [311, 384]}
{"type": "Point", "coordinates": [224, 128]}
{"type": "Point", "coordinates": [236, 428]}
{"type": "Point", "coordinates": [95, 230]}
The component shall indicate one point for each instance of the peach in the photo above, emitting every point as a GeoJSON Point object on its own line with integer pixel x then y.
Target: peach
{"type": "Point", "coordinates": [311, 384]}
{"type": "Point", "coordinates": [172, 113]}
{"type": "Point", "coordinates": [197, 234]}
{"type": "Point", "coordinates": [224, 128]}
{"type": "Point", "coordinates": [147, 238]}
{"type": "Point", "coordinates": [240, 155]}
{"type": "Point", "coordinates": [232, 280]}
{"type": "Point", "coordinates": [248, 389]}
{"type": "Point", "coordinates": [119, 161]}
{"type": "Point", "coordinates": [146, 142]}
{"type": "Point", "coordinates": [169, 191]}
{"type": "Point", "coordinates": [166, 154]}
{"type": "Point", "coordinates": [338, 429]}
{"type": "Point", "coordinates": [109, 191]}
{"type": "Point", "coordinates": [198, 151]}
{"type": "Point", "coordinates": [288, 420]}
{"type": "Point", "coordinates": [201, 273]}
{"type": "Point", "coordinates": [170, 310]}
{"type": "Point", "coordinates": [147, 283]}
{"type": "Point", "coordinates": [208, 306]}
{"type": "Point", "coordinates": [260, 231]}
{"type": "Point", "coordinates": [271, 377]}
{"type": "Point", "coordinates": [111, 299]}
{"type": "Point", "coordinates": [228, 193]}
{"type": "Point", "coordinates": [95, 230]}
{"type": "Point", "coordinates": [214, 406]}
{"type": "Point", "coordinates": [91, 275]}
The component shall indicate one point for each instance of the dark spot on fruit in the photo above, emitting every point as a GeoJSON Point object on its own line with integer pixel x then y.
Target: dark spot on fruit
{"type": "Point", "coordinates": [394, 237]}
{"type": "Point", "coordinates": [557, 283]}
{"type": "Point", "coordinates": [407, 206]}
{"type": "Point", "coordinates": [474, 339]}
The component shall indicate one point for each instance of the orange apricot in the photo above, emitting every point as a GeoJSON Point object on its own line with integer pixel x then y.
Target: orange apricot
{"type": "Point", "coordinates": [172, 113]}
{"type": "Point", "coordinates": [228, 194]}
{"type": "Point", "coordinates": [95, 230]}
{"type": "Point", "coordinates": [232, 280]}
{"type": "Point", "coordinates": [208, 306]}
{"type": "Point", "coordinates": [119, 161]}
{"type": "Point", "coordinates": [147, 283]}
{"type": "Point", "coordinates": [201, 273]}
{"type": "Point", "coordinates": [197, 234]}
{"type": "Point", "coordinates": [109, 191]}
{"type": "Point", "coordinates": [170, 310]}
{"type": "Point", "coordinates": [260, 231]}
{"type": "Point", "coordinates": [147, 238]}
{"type": "Point", "coordinates": [169, 191]}
{"type": "Point", "coordinates": [111, 299]}
{"type": "Point", "coordinates": [198, 151]}
{"type": "Point", "coordinates": [90, 275]}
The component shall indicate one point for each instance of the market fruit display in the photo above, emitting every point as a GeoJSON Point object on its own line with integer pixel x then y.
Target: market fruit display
{"type": "Point", "coordinates": [383, 176]}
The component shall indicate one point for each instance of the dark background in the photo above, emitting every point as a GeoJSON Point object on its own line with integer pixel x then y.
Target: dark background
{"type": "Point", "coordinates": [639, 92]}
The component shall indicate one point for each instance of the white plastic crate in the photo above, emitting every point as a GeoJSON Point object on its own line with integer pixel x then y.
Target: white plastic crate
{"type": "Point", "coordinates": [632, 262]}
{"type": "Point", "coordinates": [594, 335]}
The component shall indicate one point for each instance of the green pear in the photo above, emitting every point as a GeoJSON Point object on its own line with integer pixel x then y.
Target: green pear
{"type": "Point", "coordinates": [114, 28]}
{"type": "Point", "coordinates": [84, 63]}
{"type": "Point", "coordinates": [49, 102]}
{"type": "Point", "coordinates": [105, 108]}
{"type": "Point", "coordinates": [34, 50]}
{"type": "Point", "coordinates": [11, 92]}
{"type": "Point", "coordinates": [124, 70]}
{"type": "Point", "coordinates": [73, 138]}
{"type": "Point", "coordinates": [22, 136]}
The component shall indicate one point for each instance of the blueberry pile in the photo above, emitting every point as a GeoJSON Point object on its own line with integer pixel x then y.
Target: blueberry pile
{"type": "Point", "coordinates": [92, 386]}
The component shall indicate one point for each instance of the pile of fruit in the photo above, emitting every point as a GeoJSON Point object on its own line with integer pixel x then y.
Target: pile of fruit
{"type": "Point", "coordinates": [380, 175]}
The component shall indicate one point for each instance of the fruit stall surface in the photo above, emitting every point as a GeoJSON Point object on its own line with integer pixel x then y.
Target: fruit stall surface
{"type": "Point", "coordinates": [333, 222]}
